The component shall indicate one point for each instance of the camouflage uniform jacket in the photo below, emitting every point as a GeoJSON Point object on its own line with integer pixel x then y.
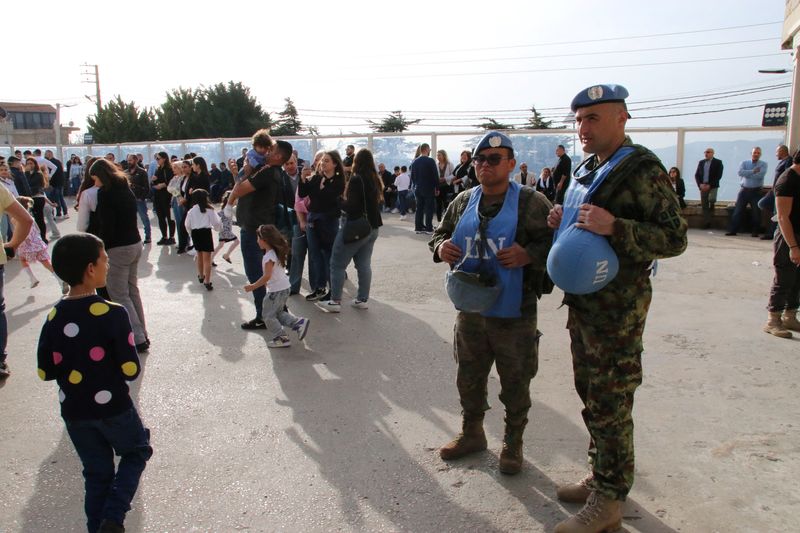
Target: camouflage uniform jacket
{"type": "Point", "coordinates": [532, 234]}
{"type": "Point", "coordinates": [648, 226]}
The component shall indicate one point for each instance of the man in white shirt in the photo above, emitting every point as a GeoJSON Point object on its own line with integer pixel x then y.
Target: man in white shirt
{"type": "Point", "coordinates": [51, 168]}
{"type": "Point", "coordinates": [522, 177]}
{"type": "Point", "coordinates": [402, 182]}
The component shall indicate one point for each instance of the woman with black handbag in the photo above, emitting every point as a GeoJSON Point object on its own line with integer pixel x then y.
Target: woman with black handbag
{"type": "Point", "coordinates": [361, 218]}
{"type": "Point", "coordinates": [325, 190]}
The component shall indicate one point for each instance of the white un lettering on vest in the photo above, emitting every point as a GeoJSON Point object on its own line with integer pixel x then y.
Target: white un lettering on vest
{"type": "Point", "coordinates": [472, 247]}
{"type": "Point", "coordinates": [601, 273]}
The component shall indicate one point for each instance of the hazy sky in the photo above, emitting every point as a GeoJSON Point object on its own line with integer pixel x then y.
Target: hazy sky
{"type": "Point", "coordinates": [428, 59]}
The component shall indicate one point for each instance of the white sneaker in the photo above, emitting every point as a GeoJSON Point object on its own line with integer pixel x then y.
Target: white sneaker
{"type": "Point", "coordinates": [358, 304]}
{"type": "Point", "coordinates": [402, 217]}
{"type": "Point", "coordinates": [281, 341]}
{"type": "Point", "coordinates": [301, 328]}
{"type": "Point", "coordinates": [329, 306]}
{"type": "Point", "coordinates": [395, 211]}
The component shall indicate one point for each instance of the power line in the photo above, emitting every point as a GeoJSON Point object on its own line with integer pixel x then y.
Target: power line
{"type": "Point", "coordinates": [574, 54]}
{"type": "Point", "coordinates": [590, 41]}
{"type": "Point", "coordinates": [565, 69]}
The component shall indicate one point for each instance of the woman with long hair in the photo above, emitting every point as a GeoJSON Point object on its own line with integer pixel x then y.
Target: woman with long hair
{"type": "Point", "coordinates": [183, 203]}
{"type": "Point", "coordinates": [37, 184]}
{"type": "Point", "coordinates": [445, 190]}
{"type": "Point", "coordinates": [324, 189]}
{"type": "Point", "coordinates": [199, 179]}
{"type": "Point", "coordinates": [362, 194]}
{"type": "Point", "coordinates": [464, 174]}
{"type": "Point", "coordinates": [162, 198]}
{"type": "Point", "coordinates": [86, 202]}
{"type": "Point", "coordinates": [678, 185]}
{"type": "Point", "coordinates": [117, 215]}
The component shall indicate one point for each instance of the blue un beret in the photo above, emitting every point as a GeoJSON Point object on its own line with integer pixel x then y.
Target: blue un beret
{"type": "Point", "coordinates": [599, 94]}
{"type": "Point", "coordinates": [494, 139]}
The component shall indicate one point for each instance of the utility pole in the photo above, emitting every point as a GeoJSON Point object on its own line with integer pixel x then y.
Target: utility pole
{"type": "Point", "coordinates": [92, 75]}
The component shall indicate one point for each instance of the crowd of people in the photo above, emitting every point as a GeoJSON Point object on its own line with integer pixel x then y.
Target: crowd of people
{"type": "Point", "coordinates": [501, 232]}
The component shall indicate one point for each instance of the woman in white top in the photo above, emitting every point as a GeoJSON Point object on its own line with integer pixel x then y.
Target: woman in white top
{"type": "Point", "coordinates": [444, 193]}
{"type": "Point", "coordinates": [86, 202]}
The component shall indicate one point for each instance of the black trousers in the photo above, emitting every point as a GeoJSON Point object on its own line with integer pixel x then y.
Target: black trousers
{"type": "Point", "coordinates": [785, 291]}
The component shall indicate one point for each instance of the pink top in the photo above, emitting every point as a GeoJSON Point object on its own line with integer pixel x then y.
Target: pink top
{"type": "Point", "coordinates": [301, 204]}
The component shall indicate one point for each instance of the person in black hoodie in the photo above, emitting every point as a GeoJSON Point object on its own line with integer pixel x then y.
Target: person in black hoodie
{"type": "Point", "coordinates": [116, 215]}
{"type": "Point", "coordinates": [140, 185]}
{"type": "Point", "coordinates": [362, 195]}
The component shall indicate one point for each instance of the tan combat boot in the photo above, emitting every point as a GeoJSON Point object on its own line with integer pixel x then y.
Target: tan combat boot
{"type": "Point", "coordinates": [471, 439]}
{"type": "Point", "coordinates": [511, 455]}
{"type": "Point", "coordinates": [576, 492]}
{"type": "Point", "coordinates": [789, 319]}
{"type": "Point", "coordinates": [774, 326]}
{"type": "Point", "coordinates": [599, 515]}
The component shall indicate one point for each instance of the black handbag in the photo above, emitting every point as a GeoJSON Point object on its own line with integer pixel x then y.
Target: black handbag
{"type": "Point", "coordinates": [359, 228]}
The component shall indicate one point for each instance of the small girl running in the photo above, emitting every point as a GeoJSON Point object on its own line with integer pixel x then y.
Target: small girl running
{"type": "Point", "coordinates": [226, 231]}
{"type": "Point", "coordinates": [33, 249]}
{"type": "Point", "coordinates": [276, 315]}
{"type": "Point", "coordinates": [199, 221]}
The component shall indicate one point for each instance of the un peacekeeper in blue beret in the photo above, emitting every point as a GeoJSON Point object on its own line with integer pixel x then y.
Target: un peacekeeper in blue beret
{"type": "Point", "coordinates": [636, 209]}
{"type": "Point", "coordinates": [513, 219]}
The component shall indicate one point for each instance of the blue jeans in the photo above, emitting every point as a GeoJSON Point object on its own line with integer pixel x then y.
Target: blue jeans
{"type": "Point", "coordinates": [56, 195]}
{"type": "Point", "coordinates": [360, 252]}
{"type": "Point", "coordinates": [3, 321]}
{"type": "Point", "coordinates": [426, 203]}
{"type": "Point", "coordinates": [74, 185]}
{"type": "Point", "coordinates": [109, 492]}
{"type": "Point", "coordinates": [141, 207]}
{"type": "Point", "coordinates": [252, 256]}
{"type": "Point", "coordinates": [276, 314]}
{"type": "Point", "coordinates": [746, 196]}
{"type": "Point", "coordinates": [299, 252]}
{"type": "Point", "coordinates": [321, 233]}
{"type": "Point", "coordinates": [401, 201]}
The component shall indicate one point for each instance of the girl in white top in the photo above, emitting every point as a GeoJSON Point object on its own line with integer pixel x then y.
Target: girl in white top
{"type": "Point", "coordinates": [275, 313]}
{"type": "Point", "coordinates": [200, 219]}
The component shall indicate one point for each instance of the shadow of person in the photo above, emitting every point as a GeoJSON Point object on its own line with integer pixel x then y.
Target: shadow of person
{"type": "Point", "coordinates": [221, 317]}
{"type": "Point", "coordinates": [370, 415]}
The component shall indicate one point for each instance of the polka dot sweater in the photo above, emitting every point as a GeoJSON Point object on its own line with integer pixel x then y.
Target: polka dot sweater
{"type": "Point", "coordinates": [87, 346]}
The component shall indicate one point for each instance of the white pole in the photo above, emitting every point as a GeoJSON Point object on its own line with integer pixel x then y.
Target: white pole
{"type": "Point", "coordinates": [793, 134]}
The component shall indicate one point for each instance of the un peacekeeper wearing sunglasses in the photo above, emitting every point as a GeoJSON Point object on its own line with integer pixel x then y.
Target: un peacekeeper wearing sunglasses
{"type": "Point", "coordinates": [512, 218]}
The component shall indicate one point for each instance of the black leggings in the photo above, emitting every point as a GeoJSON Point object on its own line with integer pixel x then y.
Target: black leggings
{"type": "Point", "coordinates": [38, 215]}
{"type": "Point", "coordinates": [164, 213]}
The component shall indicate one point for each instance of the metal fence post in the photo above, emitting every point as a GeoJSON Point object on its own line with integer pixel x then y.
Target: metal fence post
{"type": "Point", "coordinates": [681, 148]}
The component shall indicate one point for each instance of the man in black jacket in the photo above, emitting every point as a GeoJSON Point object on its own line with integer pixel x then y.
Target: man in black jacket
{"type": "Point", "coordinates": [20, 181]}
{"type": "Point", "coordinates": [561, 173]}
{"type": "Point", "coordinates": [57, 182]}
{"type": "Point", "coordinates": [424, 174]}
{"type": "Point", "coordinates": [140, 185]}
{"type": "Point", "coordinates": [707, 176]}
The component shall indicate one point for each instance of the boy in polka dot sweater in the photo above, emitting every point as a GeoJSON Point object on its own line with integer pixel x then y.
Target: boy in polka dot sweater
{"type": "Point", "coordinates": [87, 346]}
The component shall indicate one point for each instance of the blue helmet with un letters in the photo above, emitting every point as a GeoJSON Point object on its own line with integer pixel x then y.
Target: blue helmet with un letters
{"type": "Point", "coordinates": [581, 262]}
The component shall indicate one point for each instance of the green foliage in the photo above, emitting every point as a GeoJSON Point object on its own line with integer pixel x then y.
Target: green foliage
{"type": "Point", "coordinates": [289, 122]}
{"type": "Point", "coordinates": [536, 122]}
{"type": "Point", "coordinates": [120, 121]}
{"type": "Point", "coordinates": [178, 117]}
{"type": "Point", "coordinates": [394, 123]}
{"type": "Point", "coordinates": [221, 110]}
{"type": "Point", "coordinates": [492, 124]}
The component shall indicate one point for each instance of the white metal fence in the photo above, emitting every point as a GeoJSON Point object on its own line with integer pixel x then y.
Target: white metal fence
{"type": "Point", "coordinates": [679, 147]}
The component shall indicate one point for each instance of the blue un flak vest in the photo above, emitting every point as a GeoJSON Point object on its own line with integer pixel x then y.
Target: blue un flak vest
{"type": "Point", "coordinates": [583, 186]}
{"type": "Point", "coordinates": [500, 233]}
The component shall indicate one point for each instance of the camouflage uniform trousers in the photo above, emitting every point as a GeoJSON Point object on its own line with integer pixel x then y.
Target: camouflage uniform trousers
{"type": "Point", "coordinates": [607, 361]}
{"type": "Point", "coordinates": [512, 344]}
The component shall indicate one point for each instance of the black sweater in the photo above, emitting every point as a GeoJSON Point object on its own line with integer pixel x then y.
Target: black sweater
{"type": "Point", "coordinates": [324, 200]}
{"type": "Point", "coordinates": [353, 205]}
{"type": "Point", "coordinates": [116, 216]}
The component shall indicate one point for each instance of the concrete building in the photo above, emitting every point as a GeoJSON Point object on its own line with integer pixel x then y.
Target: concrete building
{"type": "Point", "coordinates": [30, 125]}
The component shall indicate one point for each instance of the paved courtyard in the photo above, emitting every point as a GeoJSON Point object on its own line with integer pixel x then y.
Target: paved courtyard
{"type": "Point", "coordinates": [340, 433]}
